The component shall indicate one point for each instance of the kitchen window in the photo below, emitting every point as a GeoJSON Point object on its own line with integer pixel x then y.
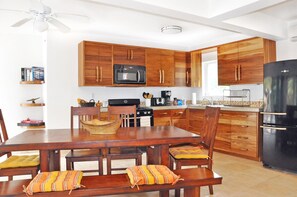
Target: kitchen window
{"type": "Point", "coordinates": [210, 87]}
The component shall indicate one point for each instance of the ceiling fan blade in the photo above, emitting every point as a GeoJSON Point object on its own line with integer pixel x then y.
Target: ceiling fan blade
{"type": "Point", "coordinates": [58, 24]}
{"type": "Point", "coordinates": [10, 10]}
{"type": "Point", "coordinates": [21, 22]}
{"type": "Point", "coordinates": [76, 17]}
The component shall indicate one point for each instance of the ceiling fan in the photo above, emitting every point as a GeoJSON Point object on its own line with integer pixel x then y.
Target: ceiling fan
{"type": "Point", "coordinates": [42, 16]}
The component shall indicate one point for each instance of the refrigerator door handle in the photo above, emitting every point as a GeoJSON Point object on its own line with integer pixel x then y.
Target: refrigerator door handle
{"type": "Point", "coordinates": [274, 113]}
{"type": "Point", "coordinates": [274, 128]}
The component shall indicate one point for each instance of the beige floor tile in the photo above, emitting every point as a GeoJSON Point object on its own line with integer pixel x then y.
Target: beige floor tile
{"type": "Point", "coordinates": [241, 178]}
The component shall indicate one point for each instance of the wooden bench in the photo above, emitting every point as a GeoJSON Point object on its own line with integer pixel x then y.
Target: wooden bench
{"type": "Point", "coordinates": [119, 184]}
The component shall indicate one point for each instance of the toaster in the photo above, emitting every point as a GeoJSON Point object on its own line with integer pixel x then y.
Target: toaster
{"type": "Point", "coordinates": [158, 101]}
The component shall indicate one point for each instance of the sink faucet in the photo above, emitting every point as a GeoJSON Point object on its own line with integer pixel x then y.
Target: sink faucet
{"type": "Point", "coordinates": [210, 101]}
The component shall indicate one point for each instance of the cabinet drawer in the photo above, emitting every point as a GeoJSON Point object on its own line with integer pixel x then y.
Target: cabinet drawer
{"type": "Point", "coordinates": [162, 121]}
{"type": "Point", "coordinates": [244, 147]}
{"type": "Point", "coordinates": [162, 113]}
{"type": "Point", "coordinates": [179, 113]}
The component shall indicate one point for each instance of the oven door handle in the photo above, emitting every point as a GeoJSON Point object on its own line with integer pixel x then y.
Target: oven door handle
{"type": "Point", "coordinates": [138, 76]}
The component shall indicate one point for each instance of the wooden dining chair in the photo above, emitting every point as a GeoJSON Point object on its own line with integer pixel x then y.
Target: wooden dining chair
{"type": "Point", "coordinates": [84, 113]}
{"type": "Point", "coordinates": [14, 164]}
{"type": "Point", "coordinates": [124, 112]}
{"type": "Point", "coordinates": [199, 154]}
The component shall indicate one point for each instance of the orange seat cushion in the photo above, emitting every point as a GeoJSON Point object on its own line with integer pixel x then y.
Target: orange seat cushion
{"type": "Point", "coordinates": [20, 161]}
{"type": "Point", "coordinates": [151, 174]}
{"type": "Point", "coordinates": [54, 181]}
{"type": "Point", "coordinates": [188, 152]}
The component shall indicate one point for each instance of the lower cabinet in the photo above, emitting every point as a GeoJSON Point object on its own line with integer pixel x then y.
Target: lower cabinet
{"type": "Point", "coordinates": [237, 133]}
{"type": "Point", "coordinates": [176, 117]}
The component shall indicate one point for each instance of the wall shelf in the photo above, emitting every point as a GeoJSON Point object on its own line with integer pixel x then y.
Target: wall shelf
{"type": "Point", "coordinates": [32, 82]}
{"type": "Point", "coordinates": [32, 104]}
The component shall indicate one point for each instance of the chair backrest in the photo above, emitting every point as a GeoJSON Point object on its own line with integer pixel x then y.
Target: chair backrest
{"type": "Point", "coordinates": [83, 113]}
{"type": "Point", "coordinates": [123, 112]}
{"type": "Point", "coordinates": [3, 133]}
{"type": "Point", "coordinates": [210, 124]}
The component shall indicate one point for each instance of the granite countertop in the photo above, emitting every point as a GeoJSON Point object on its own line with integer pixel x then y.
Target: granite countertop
{"type": "Point", "coordinates": [199, 106]}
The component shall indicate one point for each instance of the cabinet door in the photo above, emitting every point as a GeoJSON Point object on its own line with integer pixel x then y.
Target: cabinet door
{"type": "Point", "coordinates": [167, 69]}
{"type": "Point", "coordinates": [130, 55]}
{"type": "Point", "coordinates": [223, 136]}
{"type": "Point", "coordinates": [153, 68]}
{"type": "Point", "coordinates": [180, 63]}
{"type": "Point", "coordinates": [95, 64]}
{"type": "Point", "coordinates": [179, 118]}
{"type": "Point", "coordinates": [162, 118]}
{"type": "Point", "coordinates": [195, 120]}
{"type": "Point", "coordinates": [251, 60]}
{"type": "Point", "coordinates": [228, 64]}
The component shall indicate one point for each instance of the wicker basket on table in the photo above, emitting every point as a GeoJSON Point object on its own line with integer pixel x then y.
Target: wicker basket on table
{"type": "Point", "coordinates": [96, 126]}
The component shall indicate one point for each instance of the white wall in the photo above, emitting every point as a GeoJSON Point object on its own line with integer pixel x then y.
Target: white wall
{"type": "Point", "coordinates": [18, 51]}
{"type": "Point", "coordinates": [286, 50]}
{"type": "Point", "coordinates": [62, 79]}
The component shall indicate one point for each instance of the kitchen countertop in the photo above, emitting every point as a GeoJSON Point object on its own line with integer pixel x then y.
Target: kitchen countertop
{"type": "Point", "coordinates": [198, 106]}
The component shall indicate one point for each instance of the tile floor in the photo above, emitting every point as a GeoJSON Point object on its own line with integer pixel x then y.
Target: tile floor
{"type": "Point", "coordinates": [241, 178]}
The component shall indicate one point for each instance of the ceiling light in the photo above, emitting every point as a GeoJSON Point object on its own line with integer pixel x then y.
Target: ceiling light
{"type": "Point", "coordinates": [41, 26]}
{"type": "Point", "coordinates": [171, 29]}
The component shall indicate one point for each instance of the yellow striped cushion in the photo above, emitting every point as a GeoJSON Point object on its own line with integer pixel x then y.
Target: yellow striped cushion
{"type": "Point", "coordinates": [20, 161]}
{"type": "Point", "coordinates": [54, 181]}
{"type": "Point", "coordinates": [188, 152]}
{"type": "Point", "coordinates": [151, 174]}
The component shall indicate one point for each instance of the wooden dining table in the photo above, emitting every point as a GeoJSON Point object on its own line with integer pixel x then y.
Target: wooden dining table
{"type": "Point", "coordinates": [49, 142]}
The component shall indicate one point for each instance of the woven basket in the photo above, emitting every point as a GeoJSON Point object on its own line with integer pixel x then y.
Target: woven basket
{"type": "Point", "coordinates": [101, 127]}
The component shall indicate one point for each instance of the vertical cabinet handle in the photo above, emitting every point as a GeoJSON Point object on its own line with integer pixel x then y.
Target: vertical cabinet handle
{"type": "Point", "coordinates": [235, 73]}
{"type": "Point", "coordinates": [101, 74]}
{"type": "Point", "coordinates": [160, 76]}
{"type": "Point", "coordinates": [163, 76]}
{"type": "Point", "coordinates": [187, 78]}
{"type": "Point", "coordinates": [132, 55]}
{"type": "Point", "coordinates": [239, 72]}
{"type": "Point", "coordinates": [97, 74]}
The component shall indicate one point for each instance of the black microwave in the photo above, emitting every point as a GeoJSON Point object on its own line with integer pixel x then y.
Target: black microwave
{"type": "Point", "coordinates": [129, 74]}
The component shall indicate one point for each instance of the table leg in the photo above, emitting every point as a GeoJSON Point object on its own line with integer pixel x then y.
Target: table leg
{"type": "Point", "coordinates": [44, 158]}
{"type": "Point", "coordinates": [164, 160]}
{"type": "Point", "coordinates": [193, 192]}
{"type": "Point", "coordinates": [49, 160]}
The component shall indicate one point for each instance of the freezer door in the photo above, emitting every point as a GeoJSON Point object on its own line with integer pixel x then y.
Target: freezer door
{"type": "Point", "coordinates": [280, 93]}
{"type": "Point", "coordinates": [280, 147]}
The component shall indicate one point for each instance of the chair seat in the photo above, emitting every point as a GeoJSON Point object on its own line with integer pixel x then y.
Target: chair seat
{"type": "Point", "coordinates": [20, 161]}
{"type": "Point", "coordinates": [84, 153]}
{"type": "Point", "coordinates": [188, 152]}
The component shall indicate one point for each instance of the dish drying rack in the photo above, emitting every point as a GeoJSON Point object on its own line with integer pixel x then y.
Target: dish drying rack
{"type": "Point", "coordinates": [240, 98]}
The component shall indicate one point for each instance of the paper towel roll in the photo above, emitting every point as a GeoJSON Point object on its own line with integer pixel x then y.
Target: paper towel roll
{"type": "Point", "coordinates": [194, 100]}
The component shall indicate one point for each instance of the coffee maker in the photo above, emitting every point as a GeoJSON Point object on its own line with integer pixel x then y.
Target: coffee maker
{"type": "Point", "coordinates": [166, 94]}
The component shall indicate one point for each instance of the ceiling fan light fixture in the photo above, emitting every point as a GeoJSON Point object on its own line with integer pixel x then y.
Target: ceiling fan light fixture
{"type": "Point", "coordinates": [41, 26]}
{"type": "Point", "coordinates": [171, 29]}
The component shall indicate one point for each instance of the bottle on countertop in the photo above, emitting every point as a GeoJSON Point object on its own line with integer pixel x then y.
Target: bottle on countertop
{"type": "Point", "coordinates": [175, 101]}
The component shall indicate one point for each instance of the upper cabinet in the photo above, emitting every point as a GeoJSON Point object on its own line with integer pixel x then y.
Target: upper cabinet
{"type": "Point", "coordinates": [242, 62]}
{"type": "Point", "coordinates": [95, 64]}
{"type": "Point", "coordinates": [159, 67]}
{"type": "Point", "coordinates": [182, 62]}
{"type": "Point", "coordinates": [130, 55]}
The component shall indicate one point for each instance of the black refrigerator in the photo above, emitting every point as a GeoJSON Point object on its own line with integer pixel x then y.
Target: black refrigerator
{"type": "Point", "coordinates": [280, 115]}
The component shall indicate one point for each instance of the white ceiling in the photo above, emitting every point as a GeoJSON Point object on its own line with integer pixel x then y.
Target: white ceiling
{"type": "Point", "coordinates": [205, 22]}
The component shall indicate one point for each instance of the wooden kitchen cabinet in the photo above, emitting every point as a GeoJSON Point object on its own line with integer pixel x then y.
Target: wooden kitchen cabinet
{"type": "Point", "coordinates": [159, 67]}
{"type": "Point", "coordinates": [162, 117]}
{"type": "Point", "coordinates": [131, 55]}
{"type": "Point", "coordinates": [195, 120]}
{"type": "Point", "coordinates": [182, 62]}
{"type": "Point", "coordinates": [242, 62]}
{"type": "Point", "coordinates": [238, 133]}
{"type": "Point", "coordinates": [168, 117]}
{"type": "Point", "coordinates": [94, 64]}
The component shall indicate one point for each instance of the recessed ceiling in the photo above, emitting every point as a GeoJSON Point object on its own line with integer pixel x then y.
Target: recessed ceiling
{"type": "Point", "coordinates": [205, 22]}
